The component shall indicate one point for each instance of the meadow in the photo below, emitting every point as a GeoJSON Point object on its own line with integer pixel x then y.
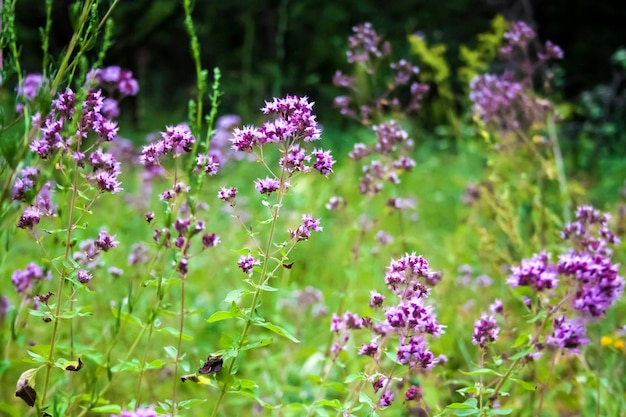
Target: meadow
{"type": "Point", "coordinates": [272, 265]}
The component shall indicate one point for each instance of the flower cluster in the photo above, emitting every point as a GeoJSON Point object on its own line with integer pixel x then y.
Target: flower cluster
{"type": "Point", "coordinates": [485, 330]}
{"type": "Point", "coordinates": [28, 89]}
{"type": "Point", "coordinates": [393, 145]}
{"type": "Point", "coordinates": [42, 206]}
{"type": "Point", "coordinates": [506, 100]}
{"type": "Point", "coordinates": [303, 232]}
{"type": "Point", "coordinates": [409, 319]}
{"type": "Point", "coordinates": [114, 78]}
{"type": "Point", "coordinates": [175, 140]}
{"type": "Point", "coordinates": [367, 49]}
{"type": "Point", "coordinates": [23, 280]}
{"type": "Point", "coordinates": [594, 280]}
{"type": "Point", "coordinates": [138, 412]}
{"type": "Point", "coordinates": [366, 45]}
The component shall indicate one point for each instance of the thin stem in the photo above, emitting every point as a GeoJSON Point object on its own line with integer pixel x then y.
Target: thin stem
{"type": "Point", "coordinates": [544, 390]}
{"type": "Point", "coordinates": [180, 341]}
{"type": "Point", "coordinates": [64, 273]}
{"type": "Point", "coordinates": [560, 170]}
{"type": "Point", "coordinates": [257, 292]}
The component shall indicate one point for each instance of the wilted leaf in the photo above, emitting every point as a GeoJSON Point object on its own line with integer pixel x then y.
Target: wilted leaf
{"type": "Point", "coordinates": [25, 387]}
{"type": "Point", "coordinates": [212, 365]}
{"type": "Point", "coordinates": [74, 366]}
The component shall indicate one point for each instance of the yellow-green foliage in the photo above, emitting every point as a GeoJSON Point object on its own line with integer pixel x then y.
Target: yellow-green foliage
{"type": "Point", "coordinates": [436, 68]}
{"type": "Point", "coordinates": [477, 60]}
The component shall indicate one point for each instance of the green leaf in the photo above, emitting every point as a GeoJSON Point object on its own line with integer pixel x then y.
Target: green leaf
{"type": "Point", "coordinates": [109, 408]}
{"type": "Point", "coordinates": [526, 385]}
{"type": "Point", "coordinates": [171, 351]}
{"type": "Point", "coordinates": [234, 295]}
{"type": "Point", "coordinates": [187, 404]}
{"type": "Point", "coordinates": [364, 398]}
{"type": "Point", "coordinates": [278, 330]}
{"type": "Point", "coordinates": [460, 406]}
{"type": "Point", "coordinates": [219, 316]}
{"type": "Point", "coordinates": [522, 339]}
{"type": "Point", "coordinates": [175, 332]}
{"type": "Point", "coordinates": [336, 404]}
{"type": "Point", "coordinates": [355, 377]}
{"type": "Point", "coordinates": [482, 371]}
{"type": "Point", "coordinates": [500, 411]}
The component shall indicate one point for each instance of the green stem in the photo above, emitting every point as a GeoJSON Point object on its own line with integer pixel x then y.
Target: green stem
{"type": "Point", "coordinates": [560, 170]}
{"type": "Point", "coordinates": [180, 341]}
{"type": "Point", "coordinates": [547, 384]}
{"type": "Point", "coordinates": [64, 273]}
{"type": "Point", "coordinates": [257, 292]}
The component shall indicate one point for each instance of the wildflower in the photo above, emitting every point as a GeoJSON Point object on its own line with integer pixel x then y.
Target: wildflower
{"type": "Point", "coordinates": [413, 393]}
{"type": "Point", "coordinates": [83, 276]}
{"type": "Point", "coordinates": [227, 194]}
{"type": "Point", "coordinates": [23, 280]}
{"type": "Point", "coordinates": [105, 241]}
{"type": "Point", "coordinates": [365, 44]}
{"type": "Point", "coordinates": [30, 86]}
{"type": "Point", "coordinates": [519, 34]}
{"type": "Point", "coordinates": [303, 232]}
{"type": "Point", "coordinates": [294, 159]}
{"type": "Point", "coordinates": [497, 307]}
{"type": "Point", "coordinates": [139, 254]}
{"type": "Point", "coordinates": [376, 299]}
{"type": "Point", "coordinates": [24, 183]}
{"type": "Point", "coordinates": [323, 162]}
{"type": "Point", "coordinates": [115, 272]}
{"type": "Point", "coordinates": [552, 51]}
{"type": "Point", "coordinates": [267, 185]}
{"type": "Point", "coordinates": [138, 412]}
{"type": "Point", "coordinates": [29, 218]}
{"type": "Point", "coordinates": [65, 104]}
{"type": "Point", "coordinates": [387, 398]}
{"type": "Point", "coordinates": [568, 334]}
{"type": "Point", "coordinates": [404, 71]}
{"type": "Point", "coordinates": [369, 349]}
{"type": "Point", "coordinates": [247, 262]}
{"type": "Point", "coordinates": [335, 202]}
{"type": "Point", "coordinates": [149, 216]}
{"type": "Point", "coordinates": [413, 351]}
{"type": "Point", "coordinates": [485, 330]}
{"type": "Point", "coordinates": [244, 139]}
{"type": "Point", "coordinates": [536, 272]}
{"type": "Point", "coordinates": [210, 240]}
{"type": "Point", "coordinates": [208, 163]}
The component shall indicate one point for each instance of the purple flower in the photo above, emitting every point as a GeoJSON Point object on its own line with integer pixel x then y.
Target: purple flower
{"type": "Point", "coordinates": [552, 51]}
{"type": "Point", "coordinates": [485, 330]}
{"type": "Point", "coordinates": [369, 349]}
{"type": "Point", "coordinates": [24, 183]}
{"type": "Point", "coordinates": [30, 86]}
{"type": "Point", "coordinates": [29, 218]}
{"type": "Point", "coordinates": [497, 307]}
{"type": "Point", "coordinates": [23, 279]}
{"type": "Point", "coordinates": [139, 412]}
{"type": "Point", "coordinates": [105, 241]}
{"type": "Point", "coordinates": [247, 262]}
{"type": "Point", "coordinates": [376, 299]}
{"type": "Point", "coordinates": [414, 352]}
{"type": "Point", "coordinates": [83, 276]}
{"type": "Point", "coordinates": [365, 44]}
{"type": "Point", "coordinates": [413, 393]}
{"type": "Point", "coordinates": [323, 162]}
{"type": "Point", "coordinates": [387, 398]}
{"type": "Point", "coordinates": [383, 238]}
{"type": "Point", "coordinates": [267, 185]}
{"type": "Point", "coordinates": [65, 103]}
{"type": "Point", "coordinates": [207, 163]}
{"type": "Point", "coordinates": [210, 240]}
{"type": "Point", "coordinates": [519, 34]}
{"type": "Point", "coordinates": [568, 334]}
{"type": "Point", "coordinates": [536, 273]}
{"type": "Point", "coordinates": [244, 139]}
{"type": "Point", "coordinates": [294, 119]}
{"type": "Point", "coordinates": [303, 232]}
{"type": "Point", "coordinates": [294, 159]}
{"type": "Point", "coordinates": [335, 203]}
{"type": "Point", "coordinates": [227, 194]}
